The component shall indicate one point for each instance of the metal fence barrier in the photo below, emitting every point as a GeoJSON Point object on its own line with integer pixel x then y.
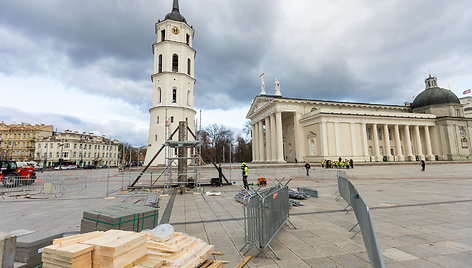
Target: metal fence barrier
{"type": "Point", "coordinates": [265, 212]}
{"type": "Point", "coordinates": [349, 193]}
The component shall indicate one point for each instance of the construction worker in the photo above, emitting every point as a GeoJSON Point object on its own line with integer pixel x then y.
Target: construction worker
{"type": "Point", "coordinates": [244, 172]}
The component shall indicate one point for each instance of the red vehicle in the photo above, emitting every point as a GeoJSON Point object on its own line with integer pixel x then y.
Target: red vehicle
{"type": "Point", "coordinates": [11, 175]}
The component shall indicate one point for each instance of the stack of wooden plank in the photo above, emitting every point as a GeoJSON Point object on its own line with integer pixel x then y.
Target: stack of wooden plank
{"type": "Point", "coordinates": [181, 250]}
{"type": "Point", "coordinates": [67, 252]}
{"type": "Point", "coordinates": [128, 217]}
{"type": "Point", "coordinates": [116, 248]}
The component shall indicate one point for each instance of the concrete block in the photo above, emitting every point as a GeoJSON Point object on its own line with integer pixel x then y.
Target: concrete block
{"type": "Point", "coordinates": [28, 246]}
{"type": "Point", "coordinates": [7, 249]}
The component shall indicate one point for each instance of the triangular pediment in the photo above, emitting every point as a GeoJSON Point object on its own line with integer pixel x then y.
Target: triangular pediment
{"type": "Point", "coordinates": [257, 104]}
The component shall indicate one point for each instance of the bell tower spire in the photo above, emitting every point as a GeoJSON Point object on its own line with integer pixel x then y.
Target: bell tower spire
{"type": "Point", "coordinates": [175, 7]}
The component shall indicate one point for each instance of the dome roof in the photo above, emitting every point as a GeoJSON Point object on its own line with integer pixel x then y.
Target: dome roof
{"type": "Point", "coordinates": [435, 95]}
{"type": "Point", "coordinates": [175, 14]}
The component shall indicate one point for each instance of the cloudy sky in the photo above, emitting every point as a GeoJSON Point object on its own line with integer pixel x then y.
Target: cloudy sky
{"type": "Point", "coordinates": [86, 65]}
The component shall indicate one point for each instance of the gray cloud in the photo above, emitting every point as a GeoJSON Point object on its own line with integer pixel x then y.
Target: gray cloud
{"type": "Point", "coordinates": [124, 131]}
{"type": "Point", "coordinates": [363, 50]}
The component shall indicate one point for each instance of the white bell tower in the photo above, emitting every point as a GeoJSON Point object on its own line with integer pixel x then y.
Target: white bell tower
{"type": "Point", "coordinates": [173, 81]}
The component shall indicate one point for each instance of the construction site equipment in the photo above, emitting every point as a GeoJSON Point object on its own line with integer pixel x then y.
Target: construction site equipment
{"type": "Point", "coordinates": [293, 193]}
{"type": "Point", "coordinates": [11, 175]}
{"type": "Point", "coordinates": [261, 181]}
{"type": "Point", "coordinates": [115, 248]}
{"type": "Point", "coordinates": [308, 191]}
{"type": "Point", "coordinates": [364, 220]}
{"type": "Point", "coordinates": [295, 203]}
{"type": "Point", "coordinates": [184, 178]}
{"type": "Point", "coordinates": [265, 212]}
{"type": "Point", "coordinates": [130, 217]}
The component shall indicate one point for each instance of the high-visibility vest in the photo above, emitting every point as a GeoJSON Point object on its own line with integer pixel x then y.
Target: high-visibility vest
{"type": "Point", "coordinates": [245, 171]}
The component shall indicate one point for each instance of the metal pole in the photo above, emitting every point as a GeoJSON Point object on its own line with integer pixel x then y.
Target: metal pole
{"type": "Point", "coordinates": [129, 167]}
{"type": "Point", "coordinates": [108, 166]}
{"type": "Point", "coordinates": [230, 161]}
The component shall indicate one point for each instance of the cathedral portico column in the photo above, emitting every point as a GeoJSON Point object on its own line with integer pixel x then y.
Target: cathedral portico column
{"type": "Point", "coordinates": [398, 146]}
{"type": "Point", "coordinates": [261, 141]}
{"type": "Point", "coordinates": [378, 157]}
{"type": "Point", "coordinates": [419, 147]}
{"type": "Point", "coordinates": [278, 125]}
{"type": "Point", "coordinates": [353, 145]}
{"type": "Point", "coordinates": [429, 151]}
{"type": "Point", "coordinates": [273, 138]}
{"type": "Point", "coordinates": [253, 135]}
{"type": "Point", "coordinates": [255, 144]}
{"type": "Point", "coordinates": [364, 141]}
{"type": "Point", "coordinates": [409, 153]}
{"type": "Point", "coordinates": [323, 139]}
{"type": "Point", "coordinates": [268, 139]}
{"type": "Point", "coordinates": [337, 139]}
{"type": "Point", "coordinates": [388, 152]}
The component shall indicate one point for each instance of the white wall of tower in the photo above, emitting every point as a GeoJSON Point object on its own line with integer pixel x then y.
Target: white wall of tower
{"type": "Point", "coordinates": [173, 89]}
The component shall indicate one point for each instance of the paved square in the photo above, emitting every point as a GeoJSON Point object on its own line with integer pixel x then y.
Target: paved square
{"type": "Point", "coordinates": [422, 219]}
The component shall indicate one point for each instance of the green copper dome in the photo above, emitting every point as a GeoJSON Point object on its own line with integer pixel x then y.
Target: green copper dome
{"type": "Point", "coordinates": [433, 95]}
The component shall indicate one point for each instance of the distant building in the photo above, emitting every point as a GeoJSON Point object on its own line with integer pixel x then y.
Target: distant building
{"type": "Point", "coordinates": [433, 127]}
{"type": "Point", "coordinates": [82, 148]}
{"type": "Point", "coordinates": [467, 102]}
{"type": "Point", "coordinates": [17, 141]}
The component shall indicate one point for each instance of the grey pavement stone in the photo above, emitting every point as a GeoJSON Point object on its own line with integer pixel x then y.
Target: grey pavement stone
{"type": "Point", "coordinates": [398, 255]}
{"type": "Point", "coordinates": [425, 215]}
{"type": "Point", "coordinates": [323, 262]}
{"type": "Point", "coordinates": [351, 261]}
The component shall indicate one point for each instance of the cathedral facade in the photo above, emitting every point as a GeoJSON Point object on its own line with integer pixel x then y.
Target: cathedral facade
{"type": "Point", "coordinates": [173, 82]}
{"type": "Point", "coordinates": [432, 128]}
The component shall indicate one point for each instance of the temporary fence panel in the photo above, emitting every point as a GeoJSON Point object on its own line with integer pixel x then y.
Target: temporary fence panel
{"type": "Point", "coordinates": [343, 186]}
{"type": "Point", "coordinates": [366, 226]}
{"type": "Point", "coordinates": [350, 194]}
{"type": "Point", "coordinates": [265, 212]}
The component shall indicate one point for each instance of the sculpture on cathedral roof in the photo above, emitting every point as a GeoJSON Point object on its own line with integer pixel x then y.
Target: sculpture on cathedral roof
{"type": "Point", "coordinates": [263, 92]}
{"type": "Point", "coordinates": [277, 88]}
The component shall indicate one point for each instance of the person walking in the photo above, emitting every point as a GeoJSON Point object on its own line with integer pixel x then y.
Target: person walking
{"type": "Point", "coordinates": [244, 171]}
{"type": "Point", "coordinates": [423, 165]}
{"type": "Point", "coordinates": [351, 162]}
{"type": "Point", "coordinates": [307, 166]}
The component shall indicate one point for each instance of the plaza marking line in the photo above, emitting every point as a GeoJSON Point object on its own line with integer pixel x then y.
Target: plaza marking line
{"type": "Point", "coordinates": [170, 204]}
{"type": "Point", "coordinates": [330, 211]}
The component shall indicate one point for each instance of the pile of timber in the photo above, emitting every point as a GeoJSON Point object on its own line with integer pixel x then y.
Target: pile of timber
{"type": "Point", "coordinates": [116, 248]}
{"type": "Point", "coordinates": [181, 250]}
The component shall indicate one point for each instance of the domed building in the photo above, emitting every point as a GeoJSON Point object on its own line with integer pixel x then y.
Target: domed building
{"type": "Point", "coordinates": [433, 128]}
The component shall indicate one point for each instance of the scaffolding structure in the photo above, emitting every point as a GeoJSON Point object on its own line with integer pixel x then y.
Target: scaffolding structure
{"type": "Point", "coordinates": [178, 155]}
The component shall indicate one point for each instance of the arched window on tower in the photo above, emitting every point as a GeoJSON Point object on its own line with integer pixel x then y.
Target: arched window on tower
{"type": "Point", "coordinates": [159, 95]}
{"type": "Point", "coordinates": [188, 66]}
{"type": "Point", "coordinates": [174, 95]}
{"type": "Point", "coordinates": [163, 35]}
{"type": "Point", "coordinates": [160, 63]}
{"type": "Point", "coordinates": [188, 97]}
{"type": "Point", "coordinates": [175, 63]}
{"type": "Point", "coordinates": [188, 39]}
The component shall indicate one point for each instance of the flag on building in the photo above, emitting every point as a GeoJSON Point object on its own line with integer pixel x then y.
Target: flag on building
{"type": "Point", "coordinates": [466, 91]}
